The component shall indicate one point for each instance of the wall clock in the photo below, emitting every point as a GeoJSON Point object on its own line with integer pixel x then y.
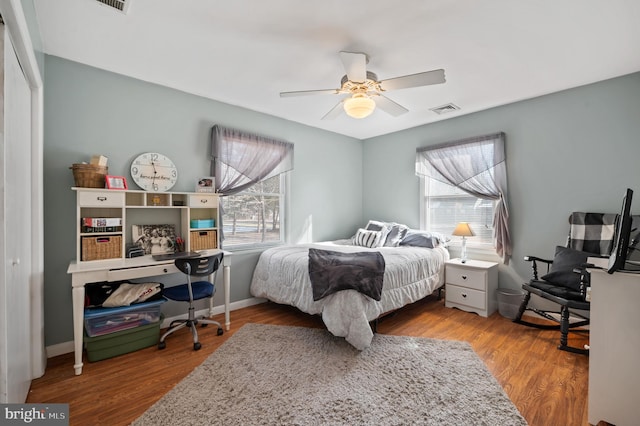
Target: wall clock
{"type": "Point", "coordinates": [154, 172]}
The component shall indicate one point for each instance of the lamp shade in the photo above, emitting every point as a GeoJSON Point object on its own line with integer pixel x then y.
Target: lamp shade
{"type": "Point", "coordinates": [463, 230]}
{"type": "Point", "coordinates": [359, 106]}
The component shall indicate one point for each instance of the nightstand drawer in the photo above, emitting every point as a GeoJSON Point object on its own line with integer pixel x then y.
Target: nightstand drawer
{"type": "Point", "coordinates": [465, 277]}
{"type": "Point", "coordinates": [466, 296]}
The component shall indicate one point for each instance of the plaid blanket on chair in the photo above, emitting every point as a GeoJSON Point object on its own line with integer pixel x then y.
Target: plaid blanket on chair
{"type": "Point", "coordinates": [592, 232]}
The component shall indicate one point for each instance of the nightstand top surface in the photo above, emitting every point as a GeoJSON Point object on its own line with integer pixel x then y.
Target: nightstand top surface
{"type": "Point", "coordinates": [471, 263]}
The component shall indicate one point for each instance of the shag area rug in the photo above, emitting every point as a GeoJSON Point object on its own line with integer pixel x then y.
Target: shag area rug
{"type": "Point", "coordinates": [281, 375]}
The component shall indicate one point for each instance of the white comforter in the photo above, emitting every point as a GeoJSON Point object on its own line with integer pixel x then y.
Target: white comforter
{"type": "Point", "coordinates": [411, 273]}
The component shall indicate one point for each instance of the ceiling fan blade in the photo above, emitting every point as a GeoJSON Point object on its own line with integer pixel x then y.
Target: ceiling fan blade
{"type": "Point", "coordinates": [414, 80]}
{"type": "Point", "coordinates": [334, 112]}
{"type": "Point", "coordinates": [355, 64]}
{"type": "Point", "coordinates": [389, 106]}
{"type": "Point", "coordinates": [309, 92]}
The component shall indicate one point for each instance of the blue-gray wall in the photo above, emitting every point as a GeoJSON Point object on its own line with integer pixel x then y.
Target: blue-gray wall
{"type": "Point", "coordinates": [576, 150]}
{"type": "Point", "coordinates": [89, 111]}
{"type": "Point", "coordinates": [573, 150]}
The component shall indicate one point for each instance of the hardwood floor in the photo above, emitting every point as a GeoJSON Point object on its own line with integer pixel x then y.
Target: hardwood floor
{"type": "Point", "coordinates": [548, 386]}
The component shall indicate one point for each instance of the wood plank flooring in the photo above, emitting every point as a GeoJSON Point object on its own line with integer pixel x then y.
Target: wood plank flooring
{"type": "Point", "coordinates": [548, 386]}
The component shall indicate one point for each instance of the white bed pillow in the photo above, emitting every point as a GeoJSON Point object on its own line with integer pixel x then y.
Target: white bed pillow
{"type": "Point", "coordinates": [367, 238]}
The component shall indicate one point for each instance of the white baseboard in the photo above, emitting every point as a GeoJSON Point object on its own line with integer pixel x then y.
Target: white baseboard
{"type": "Point", "coordinates": [68, 347]}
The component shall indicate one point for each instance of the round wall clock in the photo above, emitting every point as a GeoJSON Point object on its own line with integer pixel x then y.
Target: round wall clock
{"type": "Point", "coordinates": [154, 172]}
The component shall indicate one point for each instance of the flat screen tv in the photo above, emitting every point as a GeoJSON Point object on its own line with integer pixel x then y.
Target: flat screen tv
{"type": "Point", "coordinates": [621, 241]}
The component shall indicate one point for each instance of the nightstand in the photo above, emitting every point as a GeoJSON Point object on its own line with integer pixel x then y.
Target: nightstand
{"type": "Point", "coordinates": [471, 286]}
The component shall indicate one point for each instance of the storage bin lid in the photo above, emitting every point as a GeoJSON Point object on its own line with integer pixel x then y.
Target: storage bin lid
{"type": "Point", "coordinates": [98, 312]}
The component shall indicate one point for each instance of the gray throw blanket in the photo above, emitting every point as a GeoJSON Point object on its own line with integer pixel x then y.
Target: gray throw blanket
{"type": "Point", "coordinates": [332, 271]}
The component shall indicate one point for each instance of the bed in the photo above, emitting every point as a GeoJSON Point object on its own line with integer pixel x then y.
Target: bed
{"type": "Point", "coordinates": [411, 272]}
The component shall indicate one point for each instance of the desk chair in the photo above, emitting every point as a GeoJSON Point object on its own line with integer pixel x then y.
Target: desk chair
{"type": "Point", "coordinates": [197, 267]}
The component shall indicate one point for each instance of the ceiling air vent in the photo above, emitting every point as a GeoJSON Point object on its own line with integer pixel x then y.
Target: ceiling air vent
{"type": "Point", "coordinates": [443, 109]}
{"type": "Point", "coordinates": [121, 5]}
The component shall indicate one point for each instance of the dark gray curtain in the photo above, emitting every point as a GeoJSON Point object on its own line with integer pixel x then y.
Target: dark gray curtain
{"type": "Point", "coordinates": [242, 159]}
{"type": "Point", "coordinates": [477, 166]}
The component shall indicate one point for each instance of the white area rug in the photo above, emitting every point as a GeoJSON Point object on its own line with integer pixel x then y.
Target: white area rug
{"type": "Point", "coordinates": [279, 375]}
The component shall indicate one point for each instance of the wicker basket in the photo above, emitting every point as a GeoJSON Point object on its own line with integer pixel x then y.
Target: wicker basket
{"type": "Point", "coordinates": [203, 240]}
{"type": "Point", "coordinates": [89, 175]}
{"type": "Point", "coordinates": [99, 248]}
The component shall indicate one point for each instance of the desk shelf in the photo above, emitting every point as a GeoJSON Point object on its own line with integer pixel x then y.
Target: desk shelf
{"type": "Point", "coordinates": [123, 209]}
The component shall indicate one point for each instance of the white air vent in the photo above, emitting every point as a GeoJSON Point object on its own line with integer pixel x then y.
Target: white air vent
{"type": "Point", "coordinates": [121, 5]}
{"type": "Point", "coordinates": [443, 109]}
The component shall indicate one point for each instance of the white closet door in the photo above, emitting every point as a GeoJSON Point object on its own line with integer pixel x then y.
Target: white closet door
{"type": "Point", "coordinates": [15, 336]}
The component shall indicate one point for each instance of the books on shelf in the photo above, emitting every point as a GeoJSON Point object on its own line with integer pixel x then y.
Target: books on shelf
{"type": "Point", "coordinates": [101, 224]}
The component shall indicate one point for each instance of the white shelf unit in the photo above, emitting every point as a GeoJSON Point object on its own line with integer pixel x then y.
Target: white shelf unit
{"type": "Point", "coordinates": [144, 208]}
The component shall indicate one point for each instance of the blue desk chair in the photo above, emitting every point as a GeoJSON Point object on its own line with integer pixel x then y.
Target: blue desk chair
{"type": "Point", "coordinates": [198, 267]}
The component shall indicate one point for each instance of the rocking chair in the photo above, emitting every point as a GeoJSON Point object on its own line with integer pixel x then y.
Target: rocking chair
{"type": "Point", "coordinates": [566, 282]}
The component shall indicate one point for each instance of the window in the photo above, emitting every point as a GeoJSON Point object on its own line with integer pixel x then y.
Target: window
{"type": "Point", "coordinates": [445, 205]}
{"type": "Point", "coordinates": [254, 217]}
{"type": "Point", "coordinates": [476, 167]}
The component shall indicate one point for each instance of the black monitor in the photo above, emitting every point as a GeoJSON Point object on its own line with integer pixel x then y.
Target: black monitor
{"type": "Point", "coordinates": [621, 239]}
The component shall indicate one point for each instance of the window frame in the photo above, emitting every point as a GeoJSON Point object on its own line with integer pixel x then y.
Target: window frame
{"type": "Point", "coordinates": [284, 203]}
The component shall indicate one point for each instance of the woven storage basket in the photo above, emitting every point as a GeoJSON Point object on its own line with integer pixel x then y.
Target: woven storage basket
{"type": "Point", "coordinates": [203, 240]}
{"type": "Point", "coordinates": [89, 175]}
{"type": "Point", "coordinates": [99, 248]}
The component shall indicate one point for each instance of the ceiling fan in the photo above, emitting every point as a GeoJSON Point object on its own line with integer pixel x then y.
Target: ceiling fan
{"type": "Point", "coordinates": [366, 91]}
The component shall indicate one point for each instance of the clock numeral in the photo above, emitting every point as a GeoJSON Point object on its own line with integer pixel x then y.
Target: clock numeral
{"type": "Point", "coordinates": [154, 157]}
{"type": "Point", "coordinates": [134, 171]}
{"type": "Point", "coordinates": [174, 173]}
{"type": "Point", "coordinates": [155, 186]}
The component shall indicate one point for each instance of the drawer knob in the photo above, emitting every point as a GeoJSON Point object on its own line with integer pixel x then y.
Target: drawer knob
{"type": "Point", "coordinates": [464, 277]}
{"type": "Point", "coordinates": [203, 201]}
{"type": "Point", "coordinates": [165, 270]}
{"type": "Point", "coordinates": [464, 295]}
{"type": "Point", "coordinates": [102, 198]}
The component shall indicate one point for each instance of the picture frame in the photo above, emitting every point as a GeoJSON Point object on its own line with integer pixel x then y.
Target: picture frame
{"type": "Point", "coordinates": [206, 184]}
{"type": "Point", "coordinates": [154, 239]}
{"type": "Point", "coordinates": [116, 182]}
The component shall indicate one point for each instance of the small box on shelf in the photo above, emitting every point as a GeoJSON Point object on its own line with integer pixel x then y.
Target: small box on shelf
{"type": "Point", "coordinates": [203, 223]}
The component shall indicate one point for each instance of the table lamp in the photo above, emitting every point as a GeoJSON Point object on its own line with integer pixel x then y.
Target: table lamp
{"type": "Point", "coordinates": [463, 230]}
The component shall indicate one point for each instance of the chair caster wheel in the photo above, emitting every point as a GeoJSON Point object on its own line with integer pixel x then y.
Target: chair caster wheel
{"type": "Point", "coordinates": [220, 332]}
{"type": "Point", "coordinates": [197, 346]}
{"type": "Point", "coordinates": [162, 345]}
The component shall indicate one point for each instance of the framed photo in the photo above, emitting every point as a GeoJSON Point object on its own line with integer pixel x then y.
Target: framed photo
{"type": "Point", "coordinates": [115, 182]}
{"type": "Point", "coordinates": [154, 239]}
{"type": "Point", "coordinates": [206, 184]}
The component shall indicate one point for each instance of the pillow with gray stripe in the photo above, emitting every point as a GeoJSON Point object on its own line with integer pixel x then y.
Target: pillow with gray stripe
{"type": "Point", "coordinates": [367, 238]}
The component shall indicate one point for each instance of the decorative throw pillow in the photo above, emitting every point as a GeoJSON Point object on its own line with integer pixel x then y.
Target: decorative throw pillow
{"type": "Point", "coordinates": [564, 262]}
{"type": "Point", "coordinates": [382, 227]}
{"type": "Point", "coordinates": [367, 238]}
{"type": "Point", "coordinates": [396, 233]}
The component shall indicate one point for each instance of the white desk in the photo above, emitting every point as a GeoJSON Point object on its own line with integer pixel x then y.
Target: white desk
{"type": "Point", "coordinates": [124, 269]}
{"type": "Point", "coordinates": [614, 376]}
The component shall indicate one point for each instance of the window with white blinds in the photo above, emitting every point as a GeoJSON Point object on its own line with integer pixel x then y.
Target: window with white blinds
{"type": "Point", "coordinates": [445, 205]}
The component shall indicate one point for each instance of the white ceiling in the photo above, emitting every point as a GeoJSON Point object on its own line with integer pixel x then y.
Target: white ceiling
{"type": "Point", "coordinates": [244, 52]}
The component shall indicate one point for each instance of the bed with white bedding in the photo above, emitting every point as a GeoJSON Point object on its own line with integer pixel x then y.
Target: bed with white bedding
{"type": "Point", "coordinates": [410, 273]}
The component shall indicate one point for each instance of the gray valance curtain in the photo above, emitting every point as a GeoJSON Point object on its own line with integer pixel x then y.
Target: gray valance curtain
{"type": "Point", "coordinates": [477, 166]}
{"type": "Point", "coordinates": [242, 159]}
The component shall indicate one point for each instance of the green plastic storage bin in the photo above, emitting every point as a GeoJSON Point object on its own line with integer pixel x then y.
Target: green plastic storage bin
{"type": "Point", "coordinates": [122, 342]}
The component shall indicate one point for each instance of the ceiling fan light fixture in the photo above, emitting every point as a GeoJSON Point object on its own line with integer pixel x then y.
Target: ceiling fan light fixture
{"type": "Point", "coordinates": [359, 106]}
